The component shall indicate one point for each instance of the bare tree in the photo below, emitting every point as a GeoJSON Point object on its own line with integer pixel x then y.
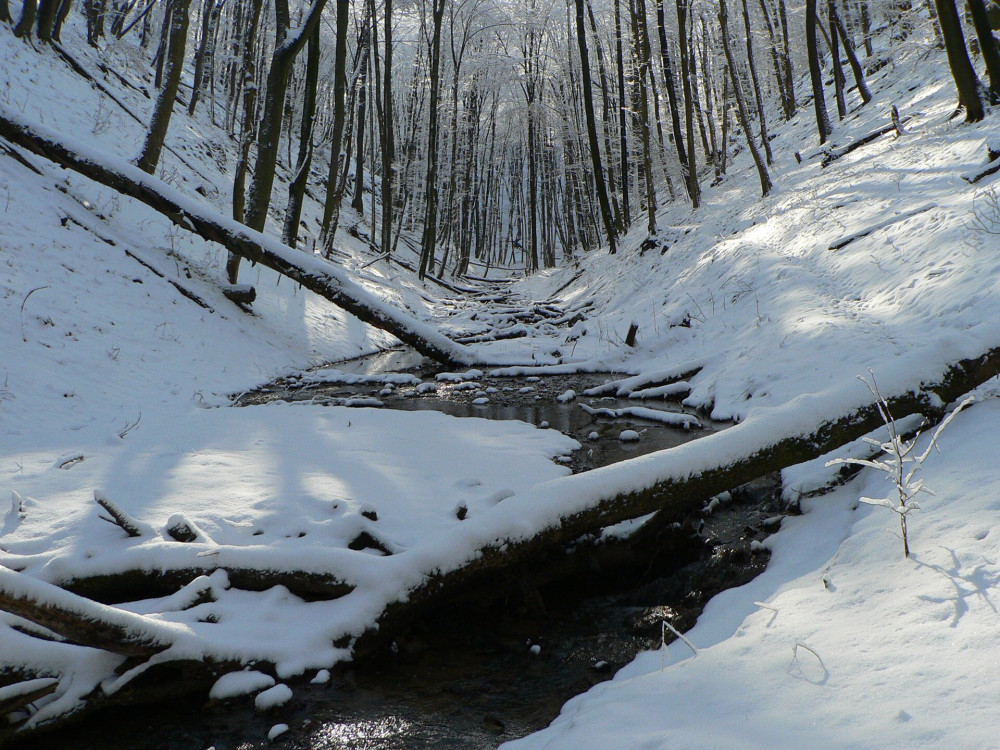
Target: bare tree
{"type": "Point", "coordinates": [694, 191]}
{"type": "Point", "coordinates": [741, 107]}
{"type": "Point", "coordinates": [815, 74]}
{"type": "Point", "coordinates": [970, 89]}
{"type": "Point", "coordinates": [595, 152]}
{"type": "Point", "coordinates": [164, 107]}
{"type": "Point", "coordinates": [287, 47]}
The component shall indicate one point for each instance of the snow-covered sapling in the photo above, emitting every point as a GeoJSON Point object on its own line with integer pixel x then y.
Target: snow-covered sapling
{"type": "Point", "coordinates": [899, 462]}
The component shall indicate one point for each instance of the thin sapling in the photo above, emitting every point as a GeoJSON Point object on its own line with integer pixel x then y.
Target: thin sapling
{"type": "Point", "coordinates": [899, 462]}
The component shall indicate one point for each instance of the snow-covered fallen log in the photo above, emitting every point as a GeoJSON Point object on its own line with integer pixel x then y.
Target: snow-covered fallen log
{"type": "Point", "coordinates": [83, 621]}
{"type": "Point", "coordinates": [672, 418]}
{"type": "Point", "coordinates": [312, 272]}
{"type": "Point", "coordinates": [672, 481]}
{"type": "Point", "coordinates": [872, 228]}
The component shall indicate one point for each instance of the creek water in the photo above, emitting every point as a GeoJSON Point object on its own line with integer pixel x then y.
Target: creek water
{"type": "Point", "coordinates": [474, 677]}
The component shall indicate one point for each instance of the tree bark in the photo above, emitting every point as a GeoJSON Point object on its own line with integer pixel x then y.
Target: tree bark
{"type": "Point", "coordinates": [970, 90]}
{"type": "Point", "coordinates": [318, 276]}
{"type": "Point", "coordinates": [988, 45]}
{"type": "Point", "coordinates": [388, 139]}
{"type": "Point", "coordinates": [29, 10]}
{"type": "Point", "coordinates": [741, 107]}
{"type": "Point", "coordinates": [595, 152]}
{"type": "Point", "coordinates": [694, 191]}
{"type": "Point", "coordinates": [297, 187]}
{"type": "Point", "coordinates": [852, 55]}
{"type": "Point", "coordinates": [334, 194]}
{"type": "Point", "coordinates": [164, 107]}
{"type": "Point", "coordinates": [816, 75]}
{"type": "Point", "coordinates": [287, 47]}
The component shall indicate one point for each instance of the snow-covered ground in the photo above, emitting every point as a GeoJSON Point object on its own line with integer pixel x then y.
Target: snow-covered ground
{"type": "Point", "coordinates": [110, 380]}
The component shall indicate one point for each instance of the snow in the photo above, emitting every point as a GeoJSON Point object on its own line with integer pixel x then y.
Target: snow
{"type": "Point", "coordinates": [841, 640]}
{"type": "Point", "coordinates": [276, 731]}
{"type": "Point", "coordinates": [273, 697]}
{"type": "Point", "coordinates": [111, 381]}
{"type": "Point", "coordinates": [234, 684]}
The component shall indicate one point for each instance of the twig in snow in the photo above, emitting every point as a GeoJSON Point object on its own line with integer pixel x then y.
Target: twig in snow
{"type": "Point", "coordinates": [24, 338]}
{"type": "Point", "coordinates": [129, 426]}
{"type": "Point", "coordinates": [120, 517]}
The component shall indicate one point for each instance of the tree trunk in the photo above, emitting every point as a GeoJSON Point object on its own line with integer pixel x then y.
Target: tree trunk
{"type": "Point", "coordinates": [318, 276]}
{"type": "Point", "coordinates": [388, 147]}
{"type": "Point", "coordinates": [741, 108]}
{"type": "Point", "coordinates": [852, 56]}
{"type": "Point", "coordinates": [787, 103]}
{"type": "Point", "coordinates": [595, 153]}
{"type": "Point", "coordinates": [429, 240]}
{"type": "Point", "coordinates": [334, 194]}
{"type": "Point", "coordinates": [677, 480]}
{"type": "Point", "coordinates": [206, 49]}
{"type": "Point", "coordinates": [164, 107]}
{"type": "Point", "coordinates": [682, 17]}
{"type": "Point", "coordinates": [297, 188]}
{"type": "Point", "coordinates": [988, 45]}
{"type": "Point", "coordinates": [47, 12]}
{"type": "Point", "coordinates": [758, 96]}
{"type": "Point", "coordinates": [970, 90]}
{"type": "Point", "coordinates": [623, 167]}
{"type": "Point", "coordinates": [358, 202]}
{"type": "Point", "coordinates": [786, 57]}
{"type": "Point", "coordinates": [286, 48]}
{"type": "Point", "coordinates": [81, 621]}
{"type": "Point", "coordinates": [815, 74]}
{"type": "Point", "coordinates": [249, 73]}
{"type": "Point", "coordinates": [839, 80]}
{"type": "Point", "coordinates": [668, 79]}
{"type": "Point", "coordinates": [640, 31]}
{"type": "Point", "coordinates": [29, 11]}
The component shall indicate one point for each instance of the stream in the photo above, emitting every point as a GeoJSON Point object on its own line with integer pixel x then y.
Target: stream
{"type": "Point", "coordinates": [474, 677]}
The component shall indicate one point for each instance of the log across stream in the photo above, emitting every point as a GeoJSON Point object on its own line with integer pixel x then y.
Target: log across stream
{"type": "Point", "coordinates": [476, 676]}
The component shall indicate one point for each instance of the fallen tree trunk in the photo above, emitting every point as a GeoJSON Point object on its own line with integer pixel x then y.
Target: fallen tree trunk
{"type": "Point", "coordinates": [80, 620]}
{"type": "Point", "coordinates": [135, 584]}
{"type": "Point", "coordinates": [833, 154]}
{"type": "Point", "coordinates": [673, 481]}
{"type": "Point", "coordinates": [313, 273]}
{"type": "Point", "coordinates": [861, 233]}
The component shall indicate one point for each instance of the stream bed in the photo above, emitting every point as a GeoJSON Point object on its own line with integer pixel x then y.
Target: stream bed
{"type": "Point", "coordinates": [474, 677]}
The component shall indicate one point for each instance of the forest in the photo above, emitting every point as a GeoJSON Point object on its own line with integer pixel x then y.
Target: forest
{"type": "Point", "coordinates": [345, 339]}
